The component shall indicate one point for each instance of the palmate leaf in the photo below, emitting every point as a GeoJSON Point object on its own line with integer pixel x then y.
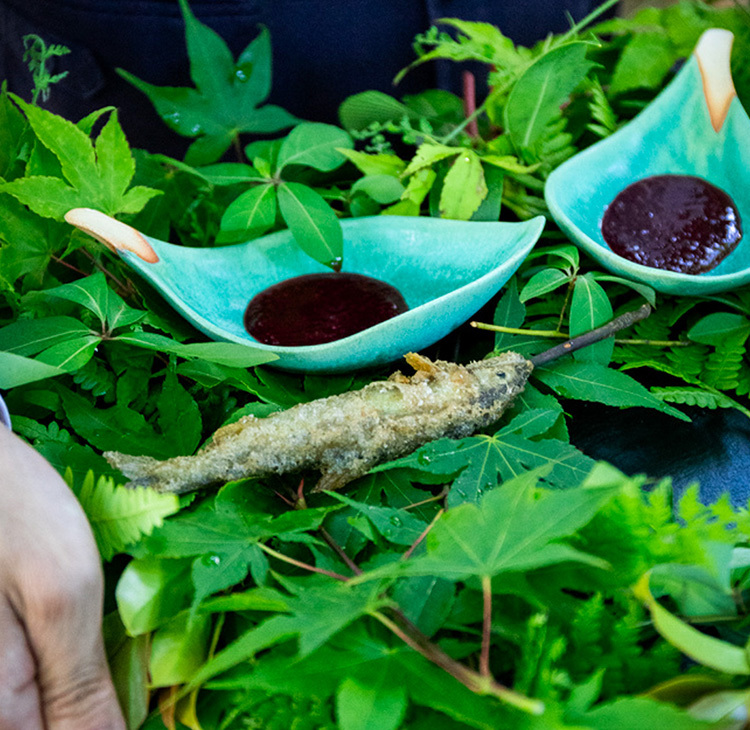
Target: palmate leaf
{"type": "Point", "coordinates": [482, 461]}
{"type": "Point", "coordinates": [515, 527]}
{"type": "Point", "coordinates": [93, 175]}
{"type": "Point", "coordinates": [120, 516]}
{"type": "Point", "coordinates": [227, 94]}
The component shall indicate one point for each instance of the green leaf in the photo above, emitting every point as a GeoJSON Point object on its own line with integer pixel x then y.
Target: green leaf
{"type": "Point", "coordinates": [702, 648]}
{"type": "Point", "coordinates": [314, 145]}
{"type": "Point", "coordinates": [626, 713]}
{"type": "Point", "coordinates": [178, 649]}
{"type": "Point", "coordinates": [72, 354]}
{"type": "Point", "coordinates": [395, 525]}
{"type": "Point", "coordinates": [464, 187]}
{"type": "Point", "coordinates": [152, 591]}
{"type": "Point", "coordinates": [315, 227]}
{"type": "Point", "coordinates": [370, 706]}
{"type": "Point", "coordinates": [31, 336]}
{"type": "Point", "coordinates": [428, 154]}
{"type": "Point", "coordinates": [16, 370]}
{"type": "Point", "coordinates": [94, 176]}
{"type": "Point", "coordinates": [590, 308]}
{"type": "Point", "coordinates": [226, 98]}
{"type": "Point", "coordinates": [536, 97]}
{"type": "Point", "coordinates": [358, 111]}
{"type": "Point", "coordinates": [121, 516]}
{"type": "Point", "coordinates": [714, 328]}
{"type": "Point", "coordinates": [416, 191]}
{"type": "Point", "coordinates": [645, 62]}
{"type": "Point", "coordinates": [543, 282]}
{"type": "Point", "coordinates": [230, 354]}
{"type": "Point", "coordinates": [230, 173]}
{"type": "Point", "coordinates": [482, 461]}
{"type": "Point", "coordinates": [377, 164]}
{"type": "Point", "coordinates": [600, 384]}
{"type": "Point", "coordinates": [514, 527]}
{"type": "Point", "coordinates": [179, 417]}
{"type": "Point", "coordinates": [251, 214]}
{"type": "Point", "coordinates": [383, 189]}
{"type": "Point", "coordinates": [128, 664]}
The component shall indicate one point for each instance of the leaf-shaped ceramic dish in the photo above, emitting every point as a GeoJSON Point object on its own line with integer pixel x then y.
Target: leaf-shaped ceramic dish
{"type": "Point", "coordinates": [446, 270]}
{"type": "Point", "coordinates": [696, 126]}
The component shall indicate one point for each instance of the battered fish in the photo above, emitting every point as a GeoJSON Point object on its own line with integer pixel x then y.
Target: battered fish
{"type": "Point", "coordinates": [345, 435]}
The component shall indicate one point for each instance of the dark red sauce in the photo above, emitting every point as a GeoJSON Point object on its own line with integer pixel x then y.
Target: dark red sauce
{"type": "Point", "coordinates": [674, 222]}
{"type": "Point", "coordinates": [317, 308]}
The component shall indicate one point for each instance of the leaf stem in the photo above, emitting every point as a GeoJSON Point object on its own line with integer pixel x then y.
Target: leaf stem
{"type": "Point", "coordinates": [484, 656]}
{"type": "Point", "coordinates": [340, 551]}
{"type": "Point", "coordinates": [470, 102]}
{"type": "Point", "coordinates": [423, 535]}
{"type": "Point", "coordinates": [460, 128]}
{"type": "Point", "coordinates": [590, 18]}
{"type": "Point", "coordinates": [300, 564]}
{"type": "Point", "coordinates": [60, 261]}
{"type": "Point", "coordinates": [563, 336]}
{"type": "Point", "coordinates": [568, 293]}
{"type": "Point", "coordinates": [415, 639]}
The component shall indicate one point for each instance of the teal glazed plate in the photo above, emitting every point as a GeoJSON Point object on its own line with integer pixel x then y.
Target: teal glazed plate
{"type": "Point", "coordinates": [696, 126]}
{"type": "Point", "coordinates": [446, 270]}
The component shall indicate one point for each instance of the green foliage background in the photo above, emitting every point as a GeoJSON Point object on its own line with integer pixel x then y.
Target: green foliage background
{"type": "Point", "coordinates": [501, 580]}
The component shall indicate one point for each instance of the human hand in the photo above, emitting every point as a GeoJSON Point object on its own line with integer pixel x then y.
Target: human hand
{"type": "Point", "coordinates": [53, 670]}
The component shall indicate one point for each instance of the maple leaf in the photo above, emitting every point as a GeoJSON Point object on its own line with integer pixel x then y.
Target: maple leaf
{"type": "Point", "coordinates": [227, 94]}
{"type": "Point", "coordinates": [91, 175]}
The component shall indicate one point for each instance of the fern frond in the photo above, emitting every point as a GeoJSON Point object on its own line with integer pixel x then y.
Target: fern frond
{"type": "Point", "coordinates": [694, 396]}
{"type": "Point", "coordinates": [601, 111]}
{"type": "Point", "coordinates": [722, 367]}
{"type": "Point", "coordinates": [121, 516]}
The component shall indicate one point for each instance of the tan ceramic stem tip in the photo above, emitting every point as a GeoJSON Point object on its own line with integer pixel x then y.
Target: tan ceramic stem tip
{"type": "Point", "coordinates": [713, 53]}
{"type": "Point", "coordinates": [114, 234]}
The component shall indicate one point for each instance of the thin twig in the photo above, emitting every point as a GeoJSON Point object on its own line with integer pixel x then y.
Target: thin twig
{"type": "Point", "coordinates": [340, 551]}
{"type": "Point", "coordinates": [423, 535]}
{"type": "Point", "coordinates": [69, 266]}
{"type": "Point", "coordinates": [300, 564]}
{"type": "Point", "coordinates": [434, 498]}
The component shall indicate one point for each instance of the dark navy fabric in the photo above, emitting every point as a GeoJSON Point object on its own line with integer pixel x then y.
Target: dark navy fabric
{"type": "Point", "coordinates": [323, 50]}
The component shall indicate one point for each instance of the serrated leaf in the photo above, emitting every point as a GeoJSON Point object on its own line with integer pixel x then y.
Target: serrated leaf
{"type": "Point", "coordinates": [314, 225]}
{"type": "Point", "coordinates": [464, 187]}
{"type": "Point", "coordinates": [377, 164]}
{"type": "Point", "coordinates": [314, 145]}
{"type": "Point", "coordinates": [226, 98]}
{"type": "Point", "coordinates": [514, 527]}
{"type": "Point", "coordinates": [95, 176]}
{"type": "Point", "coordinates": [360, 110]}
{"type": "Point", "coordinates": [536, 97]}
{"type": "Point", "coordinates": [120, 516]}
{"type": "Point", "coordinates": [646, 60]}
{"type": "Point", "coordinates": [598, 383]}
{"type": "Point", "coordinates": [428, 154]}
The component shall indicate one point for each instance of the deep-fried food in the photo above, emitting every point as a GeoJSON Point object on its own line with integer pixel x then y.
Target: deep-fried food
{"type": "Point", "coordinates": [345, 435]}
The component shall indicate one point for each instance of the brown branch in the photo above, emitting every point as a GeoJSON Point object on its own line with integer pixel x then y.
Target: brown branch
{"type": "Point", "coordinates": [595, 335]}
{"type": "Point", "coordinates": [423, 535]}
{"type": "Point", "coordinates": [470, 103]}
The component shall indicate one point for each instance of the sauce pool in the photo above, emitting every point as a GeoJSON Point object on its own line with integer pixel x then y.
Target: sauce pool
{"type": "Point", "coordinates": [674, 222]}
{"type": "Point", "coordinates": [317, 308]}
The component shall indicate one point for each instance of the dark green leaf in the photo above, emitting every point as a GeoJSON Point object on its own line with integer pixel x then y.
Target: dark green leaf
{"type": "Point", "coordinates": [315, 227]}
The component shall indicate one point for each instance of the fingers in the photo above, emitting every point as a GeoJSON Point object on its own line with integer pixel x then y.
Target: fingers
{"type": "Point", "coordinates": [62, 618]}
{"type": "Point", "coordinates": [52, 659]}
{"type": "Point", "coordinates": [20, 707]}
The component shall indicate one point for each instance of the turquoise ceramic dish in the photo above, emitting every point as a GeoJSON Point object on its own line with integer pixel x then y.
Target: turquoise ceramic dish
{"type": "Point", "coordinates": [696, 126]}
{"type": "Point", "coordinates": [446, 270]}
